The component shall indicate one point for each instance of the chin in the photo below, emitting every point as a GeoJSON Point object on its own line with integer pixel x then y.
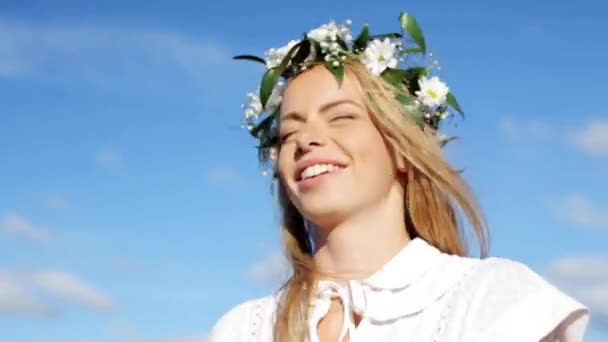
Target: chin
{"type": "Point", "coordinates": [325, 213]}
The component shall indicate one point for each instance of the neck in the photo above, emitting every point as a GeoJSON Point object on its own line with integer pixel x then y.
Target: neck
{"type": "Point", "coordinates": [359, 246]}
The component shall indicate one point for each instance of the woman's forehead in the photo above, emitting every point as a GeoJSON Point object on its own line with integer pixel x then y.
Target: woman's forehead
{"type": "Point", "coordinates": [317, 88]}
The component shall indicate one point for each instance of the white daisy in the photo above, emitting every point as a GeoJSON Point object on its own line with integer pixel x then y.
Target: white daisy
{"type": "Point", "coordinates": [379, 55]}
{"type": "Point", "coordinates": [330, 32]}
{"type": "Point", "coordinates": [433, 92]}
{"type": "Point", "coordinates": [274, 57]}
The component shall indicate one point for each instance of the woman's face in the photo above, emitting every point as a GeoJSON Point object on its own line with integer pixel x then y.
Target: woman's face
{"type": "Point", "coordinates": [333, 161]}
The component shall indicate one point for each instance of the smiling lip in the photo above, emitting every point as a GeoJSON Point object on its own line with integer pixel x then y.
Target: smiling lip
{"type": "Point", "coordinates": [309, 183]}
{"type": "Point", "coordinates": [301, 166]}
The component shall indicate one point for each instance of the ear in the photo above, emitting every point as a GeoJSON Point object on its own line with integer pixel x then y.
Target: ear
{"type": "Point", "coordinates": [403, 166]}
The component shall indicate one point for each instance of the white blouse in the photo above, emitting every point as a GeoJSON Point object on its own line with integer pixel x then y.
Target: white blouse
{"type": "Point", "coordinates": [422, 294]}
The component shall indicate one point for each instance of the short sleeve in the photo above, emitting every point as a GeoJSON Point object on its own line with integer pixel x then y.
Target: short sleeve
{"type": "Point", "coordinates": [233, 325]}
{"type": "Point", "coordinates": [506, 301]}
{"type": "Point", "coordinates": [248, 321]}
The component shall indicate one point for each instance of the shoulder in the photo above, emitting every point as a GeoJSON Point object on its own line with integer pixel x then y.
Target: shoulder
{"type": "Point", "coordinates": [504, 300]}
{"type": "Point", "coordinates": [248, 321]}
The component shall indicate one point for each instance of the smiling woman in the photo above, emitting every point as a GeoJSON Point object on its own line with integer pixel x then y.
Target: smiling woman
{"type": "Point", "coordinates": [370, 209]}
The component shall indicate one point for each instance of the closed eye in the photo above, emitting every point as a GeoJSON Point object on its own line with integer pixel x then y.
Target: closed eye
{"type": "Point", "coordinates": [285, 136]}
{"type": "Point", "coordinates": [343, 117]}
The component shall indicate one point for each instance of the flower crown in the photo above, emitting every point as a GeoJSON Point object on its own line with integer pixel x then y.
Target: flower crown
{"type": "Point", "coordinates": [424, 96]}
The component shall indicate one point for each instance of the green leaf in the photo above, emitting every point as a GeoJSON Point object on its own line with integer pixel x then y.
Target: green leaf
{"type": "Point", "coordinates": [250, 58]}
{"type": "Point", "coordinates": [394, 76]}
{"type": "Point", "coordinates": [447, 141]}
{"type": "Point", "coordinates": [269, 81]}
{"type": "Point", "coordinates": [303, 52]}
{"type": "Point", "coordinates": [342, 44]}
{"type": "Point", "coordinates": [412, 75]}
{"type": "Point", "coordinates": [337, 71]}
{"type": "Point", "coordinates": [410, 25]}
{"type": "Point", "coordinates": [361, 42]}
{"type": "Point", "coordinates": [451, 100]}
{"type": "Point", "coordinates": [288, 56]}
{"type": "Point", "coordinates": [385, 35]}
{"type": "Point", "coordinates": [263, 127]}
{"type": "Point", "coordinates": [404, 99]}
{"type": "Point", "coordinates": [418, 117]}
{"type": "Point", "coordinates": [411, 50]}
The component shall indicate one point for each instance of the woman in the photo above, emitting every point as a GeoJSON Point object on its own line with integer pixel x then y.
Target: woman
{"type": "Point", "coordinates": [370, 208]}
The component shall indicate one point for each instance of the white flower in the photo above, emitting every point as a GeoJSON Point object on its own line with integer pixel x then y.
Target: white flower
{"type": "Point", "coordinates": [330, 32]}
{"type": "Point", "coordinates": [379, 55]}
{"type": "Point", "coordinates": [432, 91]}
{"type": "Point", "coordinates": [274, 101]}
{"type": "Point", "coordinates": [253, 109]}
{"type": "Point", "coordinates": [274, 57]}
{"type": "Point", "coordinates": [412, 107]}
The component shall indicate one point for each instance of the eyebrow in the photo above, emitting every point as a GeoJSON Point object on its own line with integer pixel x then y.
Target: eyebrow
{"type": "Point", "coordinates": [296, 116]}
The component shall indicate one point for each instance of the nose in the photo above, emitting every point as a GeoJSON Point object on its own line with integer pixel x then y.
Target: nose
{"type": "Point", "coordinates": [308, 139]}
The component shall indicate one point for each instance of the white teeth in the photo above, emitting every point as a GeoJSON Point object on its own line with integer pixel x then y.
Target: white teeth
{"type": "Point", "coordinates": [318, 169]}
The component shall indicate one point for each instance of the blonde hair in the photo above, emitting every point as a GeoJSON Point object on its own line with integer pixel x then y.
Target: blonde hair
{"type": "Point", "coordinates": [434, 194]}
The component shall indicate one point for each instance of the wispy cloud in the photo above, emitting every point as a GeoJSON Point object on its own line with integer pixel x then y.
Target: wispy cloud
{"type": "Point", "coordinates": [67, 286]}
{"type": "Point", "coordinates": [127, 265]}
{"type": "Point", "coordinates": [125, 332]}
{"type": "Point", "coordinates": [586, 279]}
{"type": "Point", "coordinates": [271, 271]}
{"type": "Point", "coordinates": [109, 159]}
{"type": "Point", "coordinates": [17, 299]}
{"type": "Point", "coordinates": [579, 211]}
{"type": "Point", "coordinates": [18, 226]}
{"type": "Point", "coordinates": [224, 175]}
{"type": "Point", "coordinates": [592, 139]}
{"type": "Point", "coordinates": [532, 129]}
{"type": "Point", "coordinates": [55, 201]}
{"type": "Point", "coordinates": [27, 49]}
{"type": "Point", "coordinates": [35, 294]}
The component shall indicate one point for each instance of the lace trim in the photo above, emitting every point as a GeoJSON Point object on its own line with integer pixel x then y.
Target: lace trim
{"type": "Point", "coordinates": [450, 302]}
{"type": "Point", "coordinates": [256, 322]}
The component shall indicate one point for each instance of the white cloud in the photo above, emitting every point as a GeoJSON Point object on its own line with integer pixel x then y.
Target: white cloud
{"type": "Point", "coordinates": [272, 270]}
{"type": "Point", "coordinates": [127, 265]}
{"type": "Point", "coordinates": [125, 332]}
{"type": "Point", "coordinates": [68, 287]}
{"type": "Point", "coordinates": [509, 128]}
{"type": "Point", "coordinates": [109, 159]}
{"type": "Point", "coordinates": [223, 175]}
{"type": "Point", "coordinates": [17, 299]}
{"type": "Point", "coordinates": [580, 211]}
{"type": "Point", "coordinates": [533, 129]}
{"type": "Point", "coordinates": [193, 337]}
{"type": "Point", "coordinates": [14, 225]}
{"type": "Point", "coordinates": [592, 138]}
{"type": "Point", "coordinates": [27, 49]}
{"type": "Point", "coordinates": [55, 201]}
{"type": "Point", "coordinates": [582, 268]}
{"type": "Point", "coordinates": [35, 294]}
{"type": "Point", "coordinates": [586, 279]}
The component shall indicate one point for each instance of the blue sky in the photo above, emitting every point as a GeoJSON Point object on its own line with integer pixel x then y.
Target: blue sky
{"type": "Point", "coordinates": [131, 204]}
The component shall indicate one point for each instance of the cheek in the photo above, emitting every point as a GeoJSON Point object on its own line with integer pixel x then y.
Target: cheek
{"type": "Point", "coordinates": [285, 162]}
{"type": "Point", "coordinates": [369, 150]}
